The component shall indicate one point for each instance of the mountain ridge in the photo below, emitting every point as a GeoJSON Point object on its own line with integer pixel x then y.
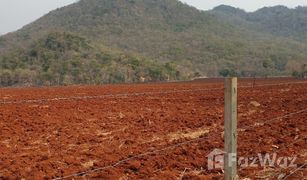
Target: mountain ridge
{"type": "Point", "coordinates": [276, 20]}
{"type": "Point", "coordinates": [173, 45]}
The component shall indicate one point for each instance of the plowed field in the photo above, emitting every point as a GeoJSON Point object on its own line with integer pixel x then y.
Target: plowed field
{"type": "Point", "coordinates": [148, 131]}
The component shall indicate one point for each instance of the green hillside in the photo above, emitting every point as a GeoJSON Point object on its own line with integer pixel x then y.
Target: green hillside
{"type": "Point", "coordinates": [60, 58]}
{"type": "Point", "coordinates": [278, 21]}
{"type": "Point", "coordinates": [103, 41]}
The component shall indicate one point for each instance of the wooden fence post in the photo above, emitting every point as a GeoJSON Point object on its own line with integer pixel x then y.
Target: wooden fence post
{"type": "Point", "coordinates": [230, 158]}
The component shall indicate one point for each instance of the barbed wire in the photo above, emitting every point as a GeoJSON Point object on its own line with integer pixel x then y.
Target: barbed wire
{"type": "Point", "coordinates": [160, 150]}
{"type": "Point", "coordinates": [294, 172]}
{"type": "Point", "coordinates": [105, 96]}
{"type": "Point", "coordinates": [274, 84]}
{"type": "Point", "coordinates": [244, 127]}
{"type": "Point", "coordinates": [288, 144]}
{"type": "Point", "coordinates": [133, 94]}
{"type": "Point", "coordinates": [274, 119]}
{"type": "Point", "coordinates": [278, 118]}
{"type": "Point", "coordinates": [114, 165]}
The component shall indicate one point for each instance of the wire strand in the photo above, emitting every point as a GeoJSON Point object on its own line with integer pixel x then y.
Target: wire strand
{"type": "Point", "coordinates": [105, 96]}
{"type": "Point", "coordinates": [276, 118]}
{"type": "Point", "coordinates": [295, 171]}
{"type": "Point", "coordinates": [114, 165]}
{"type": "Point", "coordinates": [160, 150]}
{"type": "Point", "coordinates": [131, 158]}
{"type": "Point", "coordinates": [132, 94]}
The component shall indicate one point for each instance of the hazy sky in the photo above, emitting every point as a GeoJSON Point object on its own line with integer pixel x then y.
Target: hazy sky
{"type": "Point", "coordinates": [16, 13]}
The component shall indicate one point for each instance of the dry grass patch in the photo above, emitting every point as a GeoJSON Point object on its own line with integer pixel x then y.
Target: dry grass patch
{"type": "Point", "coordinates": [191, 134]}
{"type": "Point", "coordinates": [89, 164]}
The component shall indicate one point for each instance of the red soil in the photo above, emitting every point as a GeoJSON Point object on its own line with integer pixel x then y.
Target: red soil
{"type": "Point", "coordinates": [59, 131]}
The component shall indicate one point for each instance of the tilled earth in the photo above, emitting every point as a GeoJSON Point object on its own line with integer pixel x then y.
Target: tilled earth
{"type": "Point", "coordinates": [149, 131]}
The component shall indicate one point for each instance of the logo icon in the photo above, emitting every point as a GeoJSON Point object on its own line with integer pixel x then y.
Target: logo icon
{"type": "Point", "coordinates": [216, 159]}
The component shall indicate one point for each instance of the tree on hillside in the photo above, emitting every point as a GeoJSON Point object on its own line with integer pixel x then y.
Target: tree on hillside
{"type": "Point", "coordinates": [302, 73]}
{"type": "Point", "coordinates": [228, 73]}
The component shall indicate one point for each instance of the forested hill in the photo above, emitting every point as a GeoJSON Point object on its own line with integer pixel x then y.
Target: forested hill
{"type": "Point", "coordinates": [103, 41]}
{"type": "Point", "coordinates": [279, 20]}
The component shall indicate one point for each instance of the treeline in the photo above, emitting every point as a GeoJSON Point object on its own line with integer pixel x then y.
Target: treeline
{"type": "Point", "coordinates": [64, 59]}
{"type": "Point", "coordinates": [295, 68]}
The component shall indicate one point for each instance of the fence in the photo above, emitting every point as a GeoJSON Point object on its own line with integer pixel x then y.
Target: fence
{"type": "Point", "coordinates": [157, 151]}
{"type": "Point", "coordinates": [134, 94]}
{"type": "Point", "coordinates": [185, 143]}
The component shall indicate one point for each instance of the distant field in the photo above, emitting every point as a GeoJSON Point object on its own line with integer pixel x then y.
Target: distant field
{"type": "Point", "coordinates": [143, 131]}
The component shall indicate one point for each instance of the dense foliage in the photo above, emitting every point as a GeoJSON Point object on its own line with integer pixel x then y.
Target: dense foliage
{"type": "Point", "coordinates": [103, 41]}
{"type": "Point", "coordinates": [278, 20]}
{"type": "Point", "coordinates": [63, 59]}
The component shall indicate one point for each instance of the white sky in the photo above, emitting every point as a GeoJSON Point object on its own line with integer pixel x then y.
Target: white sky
{"type": "Point", "coordinates": [16, 13]}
